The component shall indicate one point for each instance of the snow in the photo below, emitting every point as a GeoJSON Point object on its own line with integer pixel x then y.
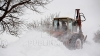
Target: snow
{"type": "Point", "coordinates": [37, 43]}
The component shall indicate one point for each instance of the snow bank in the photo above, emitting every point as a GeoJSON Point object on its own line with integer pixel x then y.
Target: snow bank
{"type": "Point", "coordinates": [6, 39]}
{"type": "Point", "coordinates": [36, 43]}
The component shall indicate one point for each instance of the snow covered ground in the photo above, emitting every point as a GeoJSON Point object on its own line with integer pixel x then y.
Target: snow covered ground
{"type": "Point", "coordinates": [37, 43]}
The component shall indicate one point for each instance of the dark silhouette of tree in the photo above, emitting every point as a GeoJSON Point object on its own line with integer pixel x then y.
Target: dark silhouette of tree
{"type": "Point", "coordinates": [11, 9]}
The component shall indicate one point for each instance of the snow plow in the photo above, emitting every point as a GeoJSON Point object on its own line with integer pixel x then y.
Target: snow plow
{"type": "Point", "coordinates": [69, 30]}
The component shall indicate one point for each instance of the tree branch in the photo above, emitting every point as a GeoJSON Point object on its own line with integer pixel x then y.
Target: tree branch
{"type": "Point", "coordinates": [21, 3]}
{"type": "Point", "coordinates": [6, 11]}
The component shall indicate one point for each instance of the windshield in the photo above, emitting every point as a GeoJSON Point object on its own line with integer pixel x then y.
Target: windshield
{"type": "Point", "coordinates": [70, 25]}
{"type": "Point", "coordinates": [55, 23]}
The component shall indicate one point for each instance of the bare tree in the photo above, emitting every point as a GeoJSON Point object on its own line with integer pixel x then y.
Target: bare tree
{"type": "Point", "coordinates": [11, 9]}
{"type": "Point", "coordinates": [47, 22]}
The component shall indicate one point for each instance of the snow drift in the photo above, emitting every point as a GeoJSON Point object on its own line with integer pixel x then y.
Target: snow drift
{"type": "Point", "coordinates": [37, 43]}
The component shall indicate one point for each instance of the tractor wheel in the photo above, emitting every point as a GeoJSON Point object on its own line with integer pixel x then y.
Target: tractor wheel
{"type": "Point", "coordinates": [78, 44]}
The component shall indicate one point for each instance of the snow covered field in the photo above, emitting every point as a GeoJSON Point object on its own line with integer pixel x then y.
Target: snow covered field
{"type": "Point", "coordinates": [37, 43]}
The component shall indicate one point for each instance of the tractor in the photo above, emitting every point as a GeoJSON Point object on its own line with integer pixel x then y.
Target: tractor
{"type": "Point", "coordinates": [69, 30]}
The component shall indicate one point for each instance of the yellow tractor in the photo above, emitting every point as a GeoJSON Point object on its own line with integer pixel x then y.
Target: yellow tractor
{"type": "Point", "coordinates": [69, 30]}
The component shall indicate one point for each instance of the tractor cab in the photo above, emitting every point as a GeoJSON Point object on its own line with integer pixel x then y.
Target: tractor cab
{"type": "Point", "coordinates": [64, 24]}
